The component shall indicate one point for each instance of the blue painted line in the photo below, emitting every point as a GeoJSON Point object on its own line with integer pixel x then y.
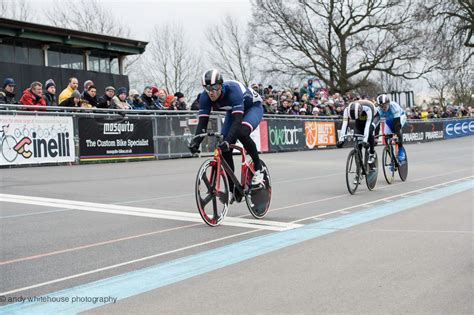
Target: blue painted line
{"type": "Point", "coordinates": [150, 278]}
{"type": "Point", "coordinates": [32, 213]}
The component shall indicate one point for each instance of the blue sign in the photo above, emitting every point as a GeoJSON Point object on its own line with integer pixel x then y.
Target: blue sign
{"type": "Point", "coordinates": [458, 128]}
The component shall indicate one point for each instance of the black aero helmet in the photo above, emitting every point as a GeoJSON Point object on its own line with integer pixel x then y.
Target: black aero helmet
{"type": "Point", "coordinates": [382, 99]}
{"type": "Point", "coordinates": [211, 77]}
{"type": "Point", "coordinates": [355, 110]}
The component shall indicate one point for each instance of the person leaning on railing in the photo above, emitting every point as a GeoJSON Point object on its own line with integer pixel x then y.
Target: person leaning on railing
{"type": "Point", "coordinates": [33, 96]}
{"type": "Point", "coordinates": [7, 93]}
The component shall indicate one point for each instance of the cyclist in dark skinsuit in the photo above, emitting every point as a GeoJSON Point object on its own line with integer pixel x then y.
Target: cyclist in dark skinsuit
{"type": "Point", "coordinates": [244, 111]}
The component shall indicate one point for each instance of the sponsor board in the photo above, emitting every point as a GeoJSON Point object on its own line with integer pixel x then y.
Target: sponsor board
{"type": "Point", "coordinates": [286, 135]}
{"type": "Point", "coordinates": [319, 133]}
{"type": "Point", "coordinates": [115, 139]}
{"type": "Point", "coordinates": [36, 140]}
{"type": "Point", "coordinates": [458, 128]}
{"type": "Point", "coordinates": [421, 131]}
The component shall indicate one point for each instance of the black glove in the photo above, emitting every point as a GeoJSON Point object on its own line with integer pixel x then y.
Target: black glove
{"type": "Point", "coordinates": [224, 146]}
{"type": "Point", "coordinates": [194, 146]}
{"type": "Point", "coordinates": [365, 144]}
{"type": "Point", "coordinates": [339, 144]}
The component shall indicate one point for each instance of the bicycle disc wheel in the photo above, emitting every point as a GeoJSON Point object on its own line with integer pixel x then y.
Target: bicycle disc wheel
{"type": "Point", "coordinates": [403, 168]}
{"type": "Point", "coordinates": [372, 171]}
{"type": "Point", "coordinates": [212, 204]}
{"type": "Point", "coordinates": [388, 166]}
{"type": "Point", "coordinates": [352, 172]}
{"type": "Point", "coordinates": [258, 200]}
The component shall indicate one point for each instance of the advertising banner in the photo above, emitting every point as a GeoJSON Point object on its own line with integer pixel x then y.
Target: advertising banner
{"type": "Point", "coordinates": [36, 140]}
{"type": "Point", "coordinates": [422, 131]}
{"type": "Point", "coordinates": [319, 133]}
{"type": "Point", "coordinates": [458, 128]}
{"type": "Point", "coordinates": [115, 139]}
{"type": "Point", "coordinates": [286, 135]}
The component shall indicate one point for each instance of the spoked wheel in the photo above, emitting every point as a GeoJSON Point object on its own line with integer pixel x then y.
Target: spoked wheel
{"type": "Point", "coordinates": [258, 199]}
{"type": "Point", "coordinates": [8, 144]}
{"type": "Point", "coordinates": [403, 168]}
{"type": "Point", "coordinates": [388, 165]}
{"type": "Point", "coordinates": [372, 171]}
{"type": "Point", "coordinates": [212, 204]}
{"type": "Point", "coordinates": [352, 172]}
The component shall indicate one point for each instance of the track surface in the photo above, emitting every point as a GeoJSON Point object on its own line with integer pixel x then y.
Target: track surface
{"type": "Point", "coordinates": [114, 219]}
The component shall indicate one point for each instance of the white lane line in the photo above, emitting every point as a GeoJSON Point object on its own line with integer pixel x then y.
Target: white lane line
{"type": "Point", "coordinates": [123, 264]}
{"type": "Point", "coordinates": [144, 212]}
{"type": "Point", "coordinates": [32, 213]}
{"type": "Point", "coordinates": [378, 200]}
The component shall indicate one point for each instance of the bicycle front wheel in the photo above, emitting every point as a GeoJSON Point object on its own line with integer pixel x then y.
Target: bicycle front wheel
{"type": "Point", "coordinates": [388, 165]}
{"type": "Point", "coordinates": [258, 200]}
{"type": "Point", "coordinates": [372, 171]}
{"type": "Point", "coordinates": [352, 172]}
{"type": "Point", "coordinates": [212, 193]}
{"type": "Point", "coordinates": [403, 168]}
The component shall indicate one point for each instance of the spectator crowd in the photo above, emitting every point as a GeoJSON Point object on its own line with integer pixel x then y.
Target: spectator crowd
{"type": "Point", "coordinates": [305, 100]}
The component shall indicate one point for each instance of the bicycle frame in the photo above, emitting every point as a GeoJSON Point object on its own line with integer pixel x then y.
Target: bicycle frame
{"type": "Point", "coordinates": [391, 140]}
{"type": "Point", "coordinates": [357, 147]}
{"type": "Point", "coordinates": [219, 161]}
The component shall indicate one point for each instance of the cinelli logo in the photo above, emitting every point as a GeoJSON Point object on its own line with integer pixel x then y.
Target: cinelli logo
{"type": "Point", "coordinates": [117, 128]}
{"type": "Point", "coordinates": [285, 136]}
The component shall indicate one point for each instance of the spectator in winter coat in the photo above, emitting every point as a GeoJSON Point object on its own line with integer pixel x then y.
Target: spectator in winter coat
{"type": "Point", "coordinates": [120, 100]}
{"type": "Point", "coordinates": [89, 97]}
{"type": "Point", "coordinates": [135, 101]}
{"type": "Point", "coordinates": [73, 101]}
{"type": "Point", "coordinates": [7, 94]}
{"type": "Point", "coordinates": [148, 99]}
{"type": "Point", "coordinates": [66, 93]}
{"type": "Point", "coordinates": [33, 95]}
{"type": "Point", "coordinates": [179, 103]}
{"type": "Point", "coordinates": [50, 93]}
{"type": "Point", "coordinates": [156, 98]}
{"type": "Point", "coordinates": [105, 101]}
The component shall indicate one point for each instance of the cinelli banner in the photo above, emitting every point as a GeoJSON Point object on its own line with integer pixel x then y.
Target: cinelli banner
{"type": "Point", "coordinates": [458, 128]}
{"type": "Point", "coordinates": [36, 140]}
{"type": "Point", "coordinates": [115, 139]}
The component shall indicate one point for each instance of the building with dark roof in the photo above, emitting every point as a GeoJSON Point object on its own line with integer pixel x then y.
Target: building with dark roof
{"type": "Point", "coordinates": [34, 52]}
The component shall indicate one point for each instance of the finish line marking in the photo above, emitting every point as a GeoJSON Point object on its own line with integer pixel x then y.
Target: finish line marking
{"type": "Point", "coordinates": [143, 280]}
{"type": "Point", "coordinates": [144, 212]}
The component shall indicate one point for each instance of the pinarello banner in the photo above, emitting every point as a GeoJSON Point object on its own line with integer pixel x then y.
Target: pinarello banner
{"type": "Point", "coordinates": [319, 134]}
{"type": "Point", "coordinates": [284, 135]}
{"type": "Point", "coordinates": [458, 128]}
{"type": "Point", "coordinates": [115, 139]}
{"type": "Point", "coordinates": [36, 140]}
{"type": "Point", "coordinates": [418, 131]}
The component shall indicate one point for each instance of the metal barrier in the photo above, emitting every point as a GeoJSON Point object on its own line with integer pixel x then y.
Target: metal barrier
{"type": "Point", "coordinates": [55, 135]}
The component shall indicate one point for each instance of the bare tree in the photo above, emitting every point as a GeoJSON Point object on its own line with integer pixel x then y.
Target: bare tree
{"type": "Point", "coordinates": [15, 10]}
{"type": "Point", "coordinates": [341, 42]}
{"type": "Point", "coordinates": [170, 61]}
{"type": "Point", "coordinates": [231, 50]}
{"type": "Point", "coordinates": [389, 83]}
{"type": "Point", "coordinates": [87, 16]}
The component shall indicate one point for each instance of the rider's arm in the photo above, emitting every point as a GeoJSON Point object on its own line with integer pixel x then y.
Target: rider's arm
{"type": "Point", "coordinates": [204, 112]}
{"type": "Point", "coordinates": [395, 109]}
{"type": "Point", "coordinates": [345, 121]}
{"type": "Point", "coordinates": [236, 98]}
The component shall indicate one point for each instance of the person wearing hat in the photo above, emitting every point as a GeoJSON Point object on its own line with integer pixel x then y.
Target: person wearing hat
{"type": "Point", "coordinates": [179, 102]}
{"type": "Point", "coordinates": [50, 93]}
{"type": "Point", "coordinates": [135, 101]}
{"type": "Point", "coordinates": [119, 101]}
{"type": "Point", "coordinates": [156, 97]}
{"type": "Point", "coordinates": [105, 101]}
{"type": "Point", "coordinates": [7, 93]}
{"type": "Point", "coordinates": [73, 101]}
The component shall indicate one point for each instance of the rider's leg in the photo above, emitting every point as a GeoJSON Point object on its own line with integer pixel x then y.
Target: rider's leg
{"type": "Point", "coordinates": [397, 128]}
{"type": "Point", "coordinates": [250, 122]}
{"type": "Point", "coordinates": [228, 155]}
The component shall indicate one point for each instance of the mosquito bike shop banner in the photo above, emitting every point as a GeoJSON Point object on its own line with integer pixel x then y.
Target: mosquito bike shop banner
{"type": "Point", "coordinates": [286, 135]}
{"type": "Point", "coordinates": [103, 139]}
{"type": "Point", "coordinates": [458, 128]}
{"type": "Point", "coordinates": [319, 133]}
{"type": "Point", "coordinates": [36, 140]}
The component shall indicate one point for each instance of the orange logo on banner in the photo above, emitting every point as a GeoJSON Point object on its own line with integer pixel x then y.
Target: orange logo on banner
{"type": "Point", "coordinates": [319, 133]}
